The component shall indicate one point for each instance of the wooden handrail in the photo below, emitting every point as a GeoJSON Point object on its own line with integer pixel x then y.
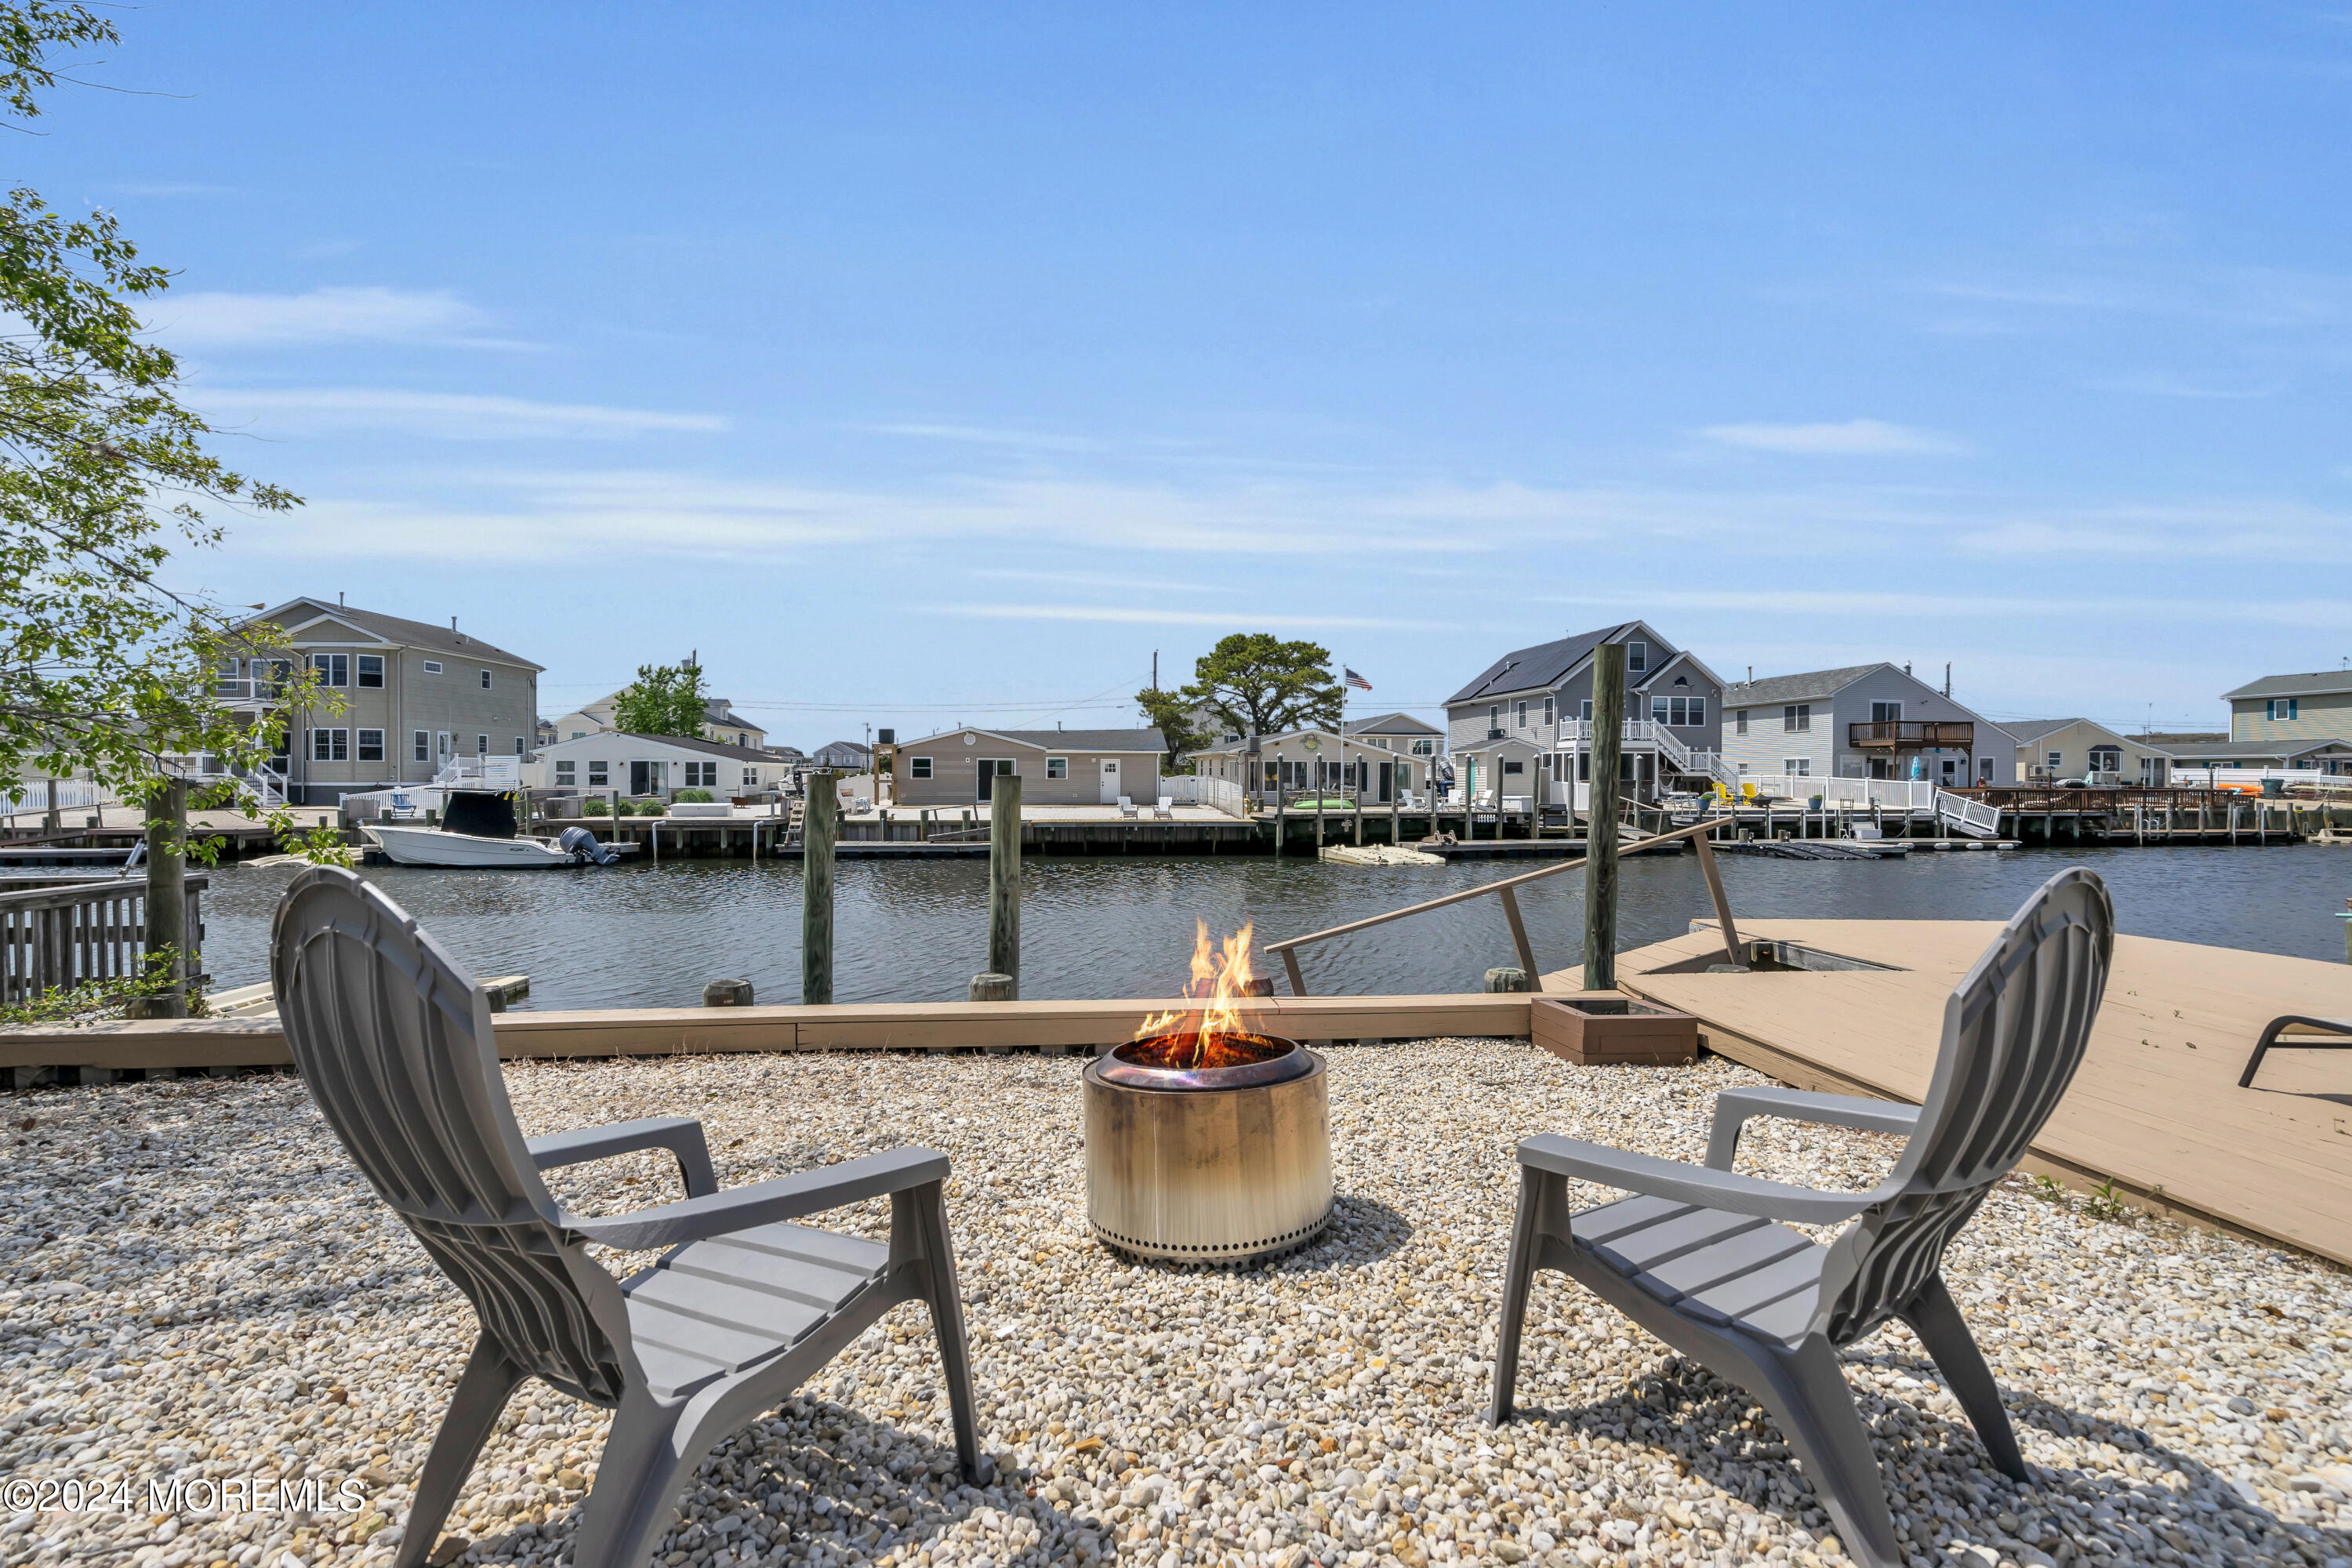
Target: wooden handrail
{"type": "Point", "coordinates": [1506, 887]}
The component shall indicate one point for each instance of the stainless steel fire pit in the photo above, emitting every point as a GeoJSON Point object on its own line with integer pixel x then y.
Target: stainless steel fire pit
{"type": "Point", "coordinates": [1209, 1163]}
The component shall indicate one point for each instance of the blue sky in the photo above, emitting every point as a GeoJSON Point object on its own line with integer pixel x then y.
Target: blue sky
{"type": "Point", "coordinates": [927, 366]}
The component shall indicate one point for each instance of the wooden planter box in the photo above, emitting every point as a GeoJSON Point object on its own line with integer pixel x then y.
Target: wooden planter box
{"type": "Point", "coordinates": [1594, 1031]}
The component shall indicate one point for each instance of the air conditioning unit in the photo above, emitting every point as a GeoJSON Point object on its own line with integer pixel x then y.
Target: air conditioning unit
{"type": "Point", "coordinates": [1493, 734]}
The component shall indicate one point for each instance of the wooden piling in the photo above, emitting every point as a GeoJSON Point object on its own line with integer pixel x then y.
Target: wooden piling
{"type": "Point", "coordinates": [820, 829]}
{"type": "Point", "coordinates": [167, 893]}
{"type": "Point", "coordinates": [1004, 879]}
{"type": "Point", "coordinates": [1601, 824]}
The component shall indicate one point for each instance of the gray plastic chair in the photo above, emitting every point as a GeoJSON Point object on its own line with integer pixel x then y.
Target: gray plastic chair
{"type": "Point", "coordinates": [393, 1042]}
{"type": "Point", "coordinates": [1698, 1260]}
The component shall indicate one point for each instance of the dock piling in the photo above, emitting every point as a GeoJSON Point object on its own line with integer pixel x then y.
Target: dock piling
{"type": "Point", "coordinates": [167, 895]}
{"type": "Point", "coordinates": [1004, 879]}
{"type": "Point", "coordinates": [820, 829]}
{"type": "Point", "coordinates": [1600, 823]}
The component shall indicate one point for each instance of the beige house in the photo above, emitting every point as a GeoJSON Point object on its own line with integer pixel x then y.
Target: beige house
{"type": "Point", "coordinates": [413, 696]}
{"type": "Point", "coordinates": [1056, 767]}
{"type": "Point", "coordinates": [2078, 747]}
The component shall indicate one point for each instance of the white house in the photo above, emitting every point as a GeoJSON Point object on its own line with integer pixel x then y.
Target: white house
{"type": "Point", "coordinates": [1383, 759]}
{"type": "Point", "coordinates": [655, 765]}
{"type": "Point", "coordinates": [1865, 721]}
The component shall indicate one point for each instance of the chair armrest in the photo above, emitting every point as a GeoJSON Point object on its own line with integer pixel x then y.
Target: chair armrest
{"type": "Point", "coordinates": [1732, 1106]}
{"type": "Point", "coordinates": [682, 1136]}
{"type": "Point", "coordinates": [1700, 1184]}
{"type": "Point", "coordinates": [801, 1194]}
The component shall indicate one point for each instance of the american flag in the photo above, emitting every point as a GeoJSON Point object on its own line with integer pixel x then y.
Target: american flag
{"type": "Point", "coordinates": [1357, 681]}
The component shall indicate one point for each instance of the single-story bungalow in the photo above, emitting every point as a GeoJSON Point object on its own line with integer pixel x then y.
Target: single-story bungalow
{"type": "Point", "coordinates": [2077, 748]}
{"type": "Point", "coordinates": [1316, 758]}
{"type": "Point", "coordinates": [1056, 767]}
{"type": "Point", "coordinates": [655, 765]}
{"type": "Point", "coordinates": [2331, 758]}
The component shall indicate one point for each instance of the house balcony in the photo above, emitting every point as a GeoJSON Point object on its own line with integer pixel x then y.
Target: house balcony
{"type": "Point", "coordinates": [1911, 735]}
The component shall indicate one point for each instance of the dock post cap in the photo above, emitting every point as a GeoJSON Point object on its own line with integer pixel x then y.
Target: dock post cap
{"type": "Point", "coordinates": [993, 988]}
{"type": "Point", "coordinates": [1507, 977]}
{"type": "Point", "coordinates": [727, 993]}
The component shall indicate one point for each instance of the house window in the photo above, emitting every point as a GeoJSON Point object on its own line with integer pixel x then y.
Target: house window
{"type": "Point", "coordinates": [518, 745]}
{"type": "Point", "coordinates": [598, 778]}
{"type": "Point", "coordinates": [1547, 718]}
{"type": "Point", "coordinates": [919, 767]}
{"type": "Point", "coordinates": [1698, 711]}
{"type": "Point", "coordinates": [1739, 722]}
{"type": "Point", "coordinates": [1514, 765]}
{"type": "Point", "coordinates": [371, 745]}
{"type": "Point", "coordinates": [2055, 761]}
{"type": "Point", "coordinates": [2106, 759]}
{"type": "Point", "coordinates": [1887, 712]}
{"type": "Point", "coordinates": [485, 681]}
{"type": "Point", "coordinates": [1797, 716]}
{"type": "Point", "coordinates": [741, 739]}
{"type": "Point", "coordinates": [1585, 713]}
{"type": "Point", "coordinates": [1658, 710]}
{"type": "Point", "coordinates": [578, 735]}
{"type": "Point", "coordinates": [1424, 747]}
{"type": "Point", "coordinates": [372, 669]}
{"type": "Point", "coordinates": [224, 678]}
{"type": "Point", "coordinates": [1519, 715]}
{"type": "Point", "coordinates": [1796, 767]}
{"type": "Point", "coordinates": [1057, 767]}
{"type": "Point", "coordinates": [1637, 657]}
{"type": "Point", "coordinates": [334, 669]}
{"type": "Point", "coordinates": [701, 775]}
{"type": "Point", "coordinates": [750, 778]}
{"type": "Point", "coordinates": [1494, 716]}
{"type": "Point", "coordinates": [481, 745]}
{"type": "Point", "coordinates": [420, 745]}
{"type": "Point", "coordinates": [432, 667]}
{"type": "Point", "coordinates": [331, 745]}
{"type": "Point", "coordinates": [2282, 707]}
{"type": "Point", "coordinates": [567, 771]}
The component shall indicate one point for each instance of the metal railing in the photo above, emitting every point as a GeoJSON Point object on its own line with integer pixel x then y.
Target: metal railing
{"type": "Point", "coordinates": [54, 939]}
{"type": "Point", "coordinates": [1506, 889]}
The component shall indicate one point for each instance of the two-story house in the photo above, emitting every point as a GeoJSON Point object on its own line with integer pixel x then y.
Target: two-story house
{"type": "Point", "coordinates": [1862, 720]}
{"type": "Point", "coordinates": [412, 697]}
{"type": "Point", "coordinates": [1524, 727]}
{"type": "Point", "coordinates": [2302, 722]}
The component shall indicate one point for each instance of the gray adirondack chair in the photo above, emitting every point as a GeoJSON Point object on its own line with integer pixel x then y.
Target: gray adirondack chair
{"type": "Point", "coordinates": [393, 1042]}
{"type": "Point", "coordinates": [1698, 1258]}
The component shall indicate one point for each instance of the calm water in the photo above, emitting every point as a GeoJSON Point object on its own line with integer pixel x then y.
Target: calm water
{"type": "Point", "coordinates": [917, 930]}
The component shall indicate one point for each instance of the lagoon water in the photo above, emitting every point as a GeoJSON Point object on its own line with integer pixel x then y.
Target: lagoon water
{"type": "Point", "coordinates": [916, 929]}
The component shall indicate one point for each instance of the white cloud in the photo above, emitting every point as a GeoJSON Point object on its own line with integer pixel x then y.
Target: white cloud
{"type": "Point", "coordinates": [457, 415]}
{"type": "Point", "coordinates": [322, 316]}
{"type": "Point", "coordinates": [1853, 439]}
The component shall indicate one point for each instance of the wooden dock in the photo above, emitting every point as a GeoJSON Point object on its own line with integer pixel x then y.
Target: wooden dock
{"type": "Point", "coordinates": [2156, 1107]}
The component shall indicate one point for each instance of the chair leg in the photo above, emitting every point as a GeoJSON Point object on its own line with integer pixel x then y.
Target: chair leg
{"type": "Point", "coordinates": [1519, 1278]}
{"type": "Point", "coordinates": [483, 1389]}
{"type": "Point", "coordinates": [1936, 1318]}
{"type": "Point", "coordinates": [638, 1476]}
{"type": "Point", "coordinates": [930, 1207]}
{"type": "Point", "coordinates": [1809, 1398]}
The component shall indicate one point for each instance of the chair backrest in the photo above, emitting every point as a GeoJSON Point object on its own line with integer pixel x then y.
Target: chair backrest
{"type": "Point", "coordinates": [393, 1042]}
{"type": "Point", "coordinates": [2014, 1032]}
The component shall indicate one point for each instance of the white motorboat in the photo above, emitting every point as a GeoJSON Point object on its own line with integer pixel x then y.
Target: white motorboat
{"type": "Point", "coordinates": [477, 832]}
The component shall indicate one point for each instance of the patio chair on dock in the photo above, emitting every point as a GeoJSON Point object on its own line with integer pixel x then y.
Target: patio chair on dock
{"type": "Point", "coordinates": [1164, 808]}
{"type": "Point", "coordinates": [1698, 1257]}
{"type": "Point", "coordinates": [2275, 1037]}
{"type": "Point", "coordinates": [393, 1042]}
{"type": "Point", "coordinates": [1126, 809]}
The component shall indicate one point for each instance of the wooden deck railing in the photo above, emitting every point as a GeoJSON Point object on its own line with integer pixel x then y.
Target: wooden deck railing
{"type": "Point", "coordinates": [53, 938]}
{"type": "Point", "coordinates": [1508, 889]}
{"type": "Point", "coordinates": [1899, 734]}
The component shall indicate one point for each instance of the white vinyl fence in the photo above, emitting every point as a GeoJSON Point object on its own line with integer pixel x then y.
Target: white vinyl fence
{"type": "Point", "coordinates": [1198, 789]}
{"type": "Point", "coordinates": [33, 796]}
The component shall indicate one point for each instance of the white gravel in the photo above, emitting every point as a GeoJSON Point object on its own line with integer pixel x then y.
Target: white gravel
{"type": "Point", "coordinates": [193, 1284]}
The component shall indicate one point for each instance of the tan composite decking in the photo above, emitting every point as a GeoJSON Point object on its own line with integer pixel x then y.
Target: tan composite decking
{"type": "Point", "coordinates": [2156, 1106]}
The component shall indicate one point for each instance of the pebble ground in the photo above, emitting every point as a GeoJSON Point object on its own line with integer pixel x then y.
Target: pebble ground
{"type": "Point", "coordinates": [193, 1286]}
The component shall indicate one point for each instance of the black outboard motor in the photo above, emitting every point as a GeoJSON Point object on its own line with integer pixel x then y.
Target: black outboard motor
{"type": "Point", "coordinates": [585, 848]}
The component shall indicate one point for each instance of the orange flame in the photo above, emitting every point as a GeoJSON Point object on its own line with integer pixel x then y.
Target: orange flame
{"type": "Point", "coordinates": [1221, 982]}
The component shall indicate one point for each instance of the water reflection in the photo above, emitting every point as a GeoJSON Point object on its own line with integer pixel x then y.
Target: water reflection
{"type": "Point", "coordinates": [917, 930]}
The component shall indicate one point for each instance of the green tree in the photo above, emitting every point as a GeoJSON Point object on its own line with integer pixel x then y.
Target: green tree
{"type": "Point", "coordinates": [1170, 713]}
{"type": "Point", "coordinates": [103, 665]}
{"type": "Point", "coordinates": [1259, 684]}
{"type": "Point", "coordinates": [668, 700]}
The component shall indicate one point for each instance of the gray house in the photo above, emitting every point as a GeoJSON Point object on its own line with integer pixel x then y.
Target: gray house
{"type": "Point", "coordinates": [1524, 727]}
{"type": "Point", "coordinates": [1865, 721]}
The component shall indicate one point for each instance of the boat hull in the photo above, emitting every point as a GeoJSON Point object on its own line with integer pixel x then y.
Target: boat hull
{"type": "Point", "coordinates": [407, 845]}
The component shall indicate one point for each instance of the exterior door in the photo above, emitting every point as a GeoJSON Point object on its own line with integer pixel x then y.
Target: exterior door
{"type": "Point", "coordinates": [1388, 783]}
{"type": "Point", "coordinates": [644, 777]}
{"type": "Point", "coordinates": [1110, 781]}
{"type": "Point", "coordinates": [989, 769]}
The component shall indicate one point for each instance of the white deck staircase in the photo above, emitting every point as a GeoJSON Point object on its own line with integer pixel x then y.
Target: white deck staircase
{"type": "Point", "coordinates": [1974, 817]}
